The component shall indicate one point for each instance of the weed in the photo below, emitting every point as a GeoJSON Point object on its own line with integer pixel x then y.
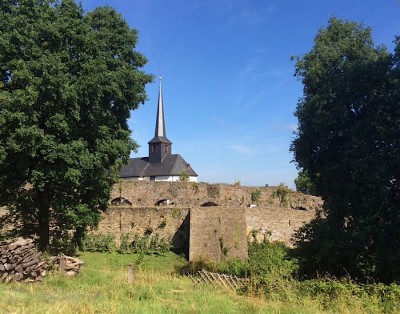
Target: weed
{"type": "Point", "coordinates": [148, 231]}
{"type": "Point", "coordinates": [184, 176]}
{"type": "Point", "coordinates": [224, 249]}
{"type": "Point", "coordinates": [212, 190]}
{"type": "Point", "coordinates": [282, 192]}
{"type": "Point", "coordinates": [255, 196]}
{"type": "Point", "coordinates": [162, 224]}
{"type": "Point", "coordinates": [176, 213]}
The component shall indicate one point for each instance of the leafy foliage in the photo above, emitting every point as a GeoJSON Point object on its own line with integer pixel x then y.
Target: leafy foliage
{"type": "Point", "coordinates": [68, 81]}
{"type": "Point", "coordinates": [282, 192]}
{"type": "Point", "coordinates": [268, 261]}
{"type": "Point", "coordinates": [304, 184]}
{"type": "Point", "coordinates": [144, 244]}
{"type": "Point", "coordinates": [255, 195]}
{"type": "Point", "coordinates": [184, 176]}
{"type": "Point", "coordinates": [348, 144]}
{"type": "Point", "coordinates": [99, 242]}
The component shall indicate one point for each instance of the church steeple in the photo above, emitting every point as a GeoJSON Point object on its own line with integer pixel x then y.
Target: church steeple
{"type": "Point", "coordinates": [160, 145]}
{"type": "Point", "coordinates": [160, 123]}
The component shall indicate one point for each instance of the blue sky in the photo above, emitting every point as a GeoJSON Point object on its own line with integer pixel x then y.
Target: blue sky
{"type": "Point", "coordinates": [228, 85]}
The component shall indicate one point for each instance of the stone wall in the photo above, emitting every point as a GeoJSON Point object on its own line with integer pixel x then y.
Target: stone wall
{"type": "Point", "coordinates": [217, 233]}
{"type": "Point", "coordinates": [275, 224]}
{"type": "Point", "coordinates": [168, 223]}
{"type": "Point", "coordinates": [191, 194]}
{"type": "Point", "coordinates": [214, 231]}
{"type": "Point", "coordinates": [207, 231]}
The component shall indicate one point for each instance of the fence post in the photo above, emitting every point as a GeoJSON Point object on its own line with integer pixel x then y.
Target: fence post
{"type": "Point", "coordinates": [130, 273]}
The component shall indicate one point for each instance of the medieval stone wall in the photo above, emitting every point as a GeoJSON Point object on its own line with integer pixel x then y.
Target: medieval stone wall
{"type": "Point", "coordinates": [168, 223]}
{"type": "Point", "coordinates": [217, 233]}
{"type": "Point", "coordinates": [213, 232]}
{"type": "Point", "coordinates": [275, 224]}
{"type": "Point", "coordinates": [192, 194]}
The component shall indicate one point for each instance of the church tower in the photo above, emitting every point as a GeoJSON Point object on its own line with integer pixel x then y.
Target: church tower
{"type": "Point", "coordinates": [160, 146]}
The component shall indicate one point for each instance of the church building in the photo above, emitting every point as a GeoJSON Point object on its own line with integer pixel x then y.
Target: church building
{"type": "Point", "coordinates": [161, 165]}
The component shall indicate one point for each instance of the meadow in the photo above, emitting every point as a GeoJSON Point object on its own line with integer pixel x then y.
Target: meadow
{"type": "Point", "coordinates": [159, 287]}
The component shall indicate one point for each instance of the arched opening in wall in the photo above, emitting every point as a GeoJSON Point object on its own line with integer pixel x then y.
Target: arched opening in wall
{"type": "Point", "coordinates": [121, 201]}
{"type": "Point", "coordinates": [164, 202]}
{"type": "Point", "coordinates": [208, 204]}
{"type": "Point", "coordinates": [300, 208]}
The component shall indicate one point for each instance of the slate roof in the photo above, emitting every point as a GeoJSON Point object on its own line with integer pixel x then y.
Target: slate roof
{"type": "Point", "coordinates": [158, 139]}
{"type": "Point", "coordinates": [171, 165]}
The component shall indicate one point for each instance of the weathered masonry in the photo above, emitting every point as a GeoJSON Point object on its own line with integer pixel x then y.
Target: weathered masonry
{"type": "Point", "coordinates": [181, 212]}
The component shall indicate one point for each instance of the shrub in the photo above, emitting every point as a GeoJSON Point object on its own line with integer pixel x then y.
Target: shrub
{"type": "Point", "coordinates": [282, 192]}
{"type": "Point", "coordinates": [267, 262]}
{"type": "Point", "coordinates": [255, 195]}
{"type": "Point", "coordinates": [146, 244]}
{"type": "Point", "coordinates": [99, 242]}
{"type": "Point", "coordinates": [271, 260]}
{"type": "Point", "coordinates": [184, 176]}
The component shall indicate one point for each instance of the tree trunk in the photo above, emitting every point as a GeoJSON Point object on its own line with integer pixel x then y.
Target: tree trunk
{"type": "Point", "coordinates": [44, 213]}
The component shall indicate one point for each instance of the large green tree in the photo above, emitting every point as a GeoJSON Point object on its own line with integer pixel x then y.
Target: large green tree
{"type": "Point", "coordinates": [348, 144]}
{"type": "Point", "coordinates": [69, 80]}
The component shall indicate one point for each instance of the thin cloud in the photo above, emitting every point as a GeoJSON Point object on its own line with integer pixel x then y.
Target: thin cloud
{"type": "Point", "coordinates": [243, 150]}
{"type": "Point", "coordinates": [217, 120]}
{"type": "Point", "coordinates": [243, 15]}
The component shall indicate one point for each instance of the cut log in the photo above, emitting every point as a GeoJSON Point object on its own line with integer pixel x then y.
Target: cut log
{"type": "Point", "coordinates": [68, 264]}
{"type": "Point", "coordinates": [39, 278]}
{"type": "Point", "coordinates": [18, 276]}
{"type": "Point", "coordinates": [19, 269]}
{"type": "Point", "coordinates": [27, 264]}
{"type": "Point", "coordinates": [20, 261]}
{"type": "Point", "coordinates": [19, 242]}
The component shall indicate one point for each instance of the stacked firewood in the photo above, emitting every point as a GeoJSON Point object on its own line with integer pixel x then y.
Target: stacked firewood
{"type": "Point", "coordinates": [20, 261]}
{"type": "Point", "coordinates": [67, 264]}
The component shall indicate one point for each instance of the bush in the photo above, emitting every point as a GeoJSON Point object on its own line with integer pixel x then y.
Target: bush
{"type": "Point", "coordinates": [282, 192]}
{"type": "Point", "coordinates": [271, 260]}
{"type": "Point", "coordinates": [255, 196]}
{"type": "Point", "coordinates": [99, 242]}
{"type": "Point", "coordinates": [147, 244]}
{"type": "Point", "coordinates": [267, 261]}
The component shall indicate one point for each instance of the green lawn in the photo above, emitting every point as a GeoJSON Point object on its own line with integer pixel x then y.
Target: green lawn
{"type": "Point", "coordinates": [102, 288]}
{"type": "Point", "coordinates": [157, 288]}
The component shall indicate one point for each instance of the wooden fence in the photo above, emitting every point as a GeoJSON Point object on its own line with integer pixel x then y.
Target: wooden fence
{"type": "Point", "coordinates": [218, 280]}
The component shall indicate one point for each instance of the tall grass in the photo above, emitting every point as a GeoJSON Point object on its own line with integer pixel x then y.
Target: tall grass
{"type": "Point", "coordinates": [158, 288]}
{"type": "Point", "coordinates": [102, 288]}
{"type": "Point", "coordinates": [272, 271]}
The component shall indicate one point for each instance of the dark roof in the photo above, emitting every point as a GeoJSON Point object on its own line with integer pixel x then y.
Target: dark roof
{"type": "Point", "coordinates": [172, 165]}
{"type": "Point", "coordinates": [158, 139]}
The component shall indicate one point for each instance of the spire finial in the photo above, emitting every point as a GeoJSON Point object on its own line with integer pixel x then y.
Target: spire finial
{"type": "Point", "coordinates": [160, 124]}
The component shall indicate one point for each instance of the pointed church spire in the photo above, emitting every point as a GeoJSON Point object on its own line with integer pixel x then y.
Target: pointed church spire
{"type": "Point", "coordinates": [160, 145]}
{"type": "Point", "coordinates": [160, 122]}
